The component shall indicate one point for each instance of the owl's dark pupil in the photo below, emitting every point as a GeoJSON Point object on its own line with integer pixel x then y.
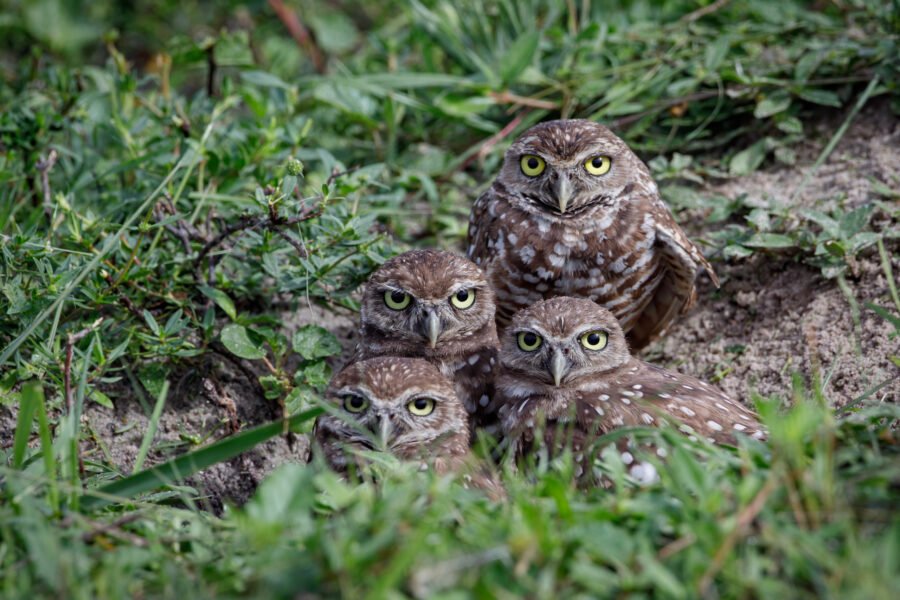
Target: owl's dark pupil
{"type": "Point", "coordinates": [597, 162]}
{"type": "Point", "coordinates": [533, 163]}
{"type": "Point", "coordinates": [530, 339]}
{"type": "Point", "coordinates": [462, 295]}
{"type": "Point", "coordinates": [594, 339]}
{"type": "Point", "coordinates": [421, 404]}
{"type": "Point", "coordinates": [356, 402]}
{"type": "Point", "coordinates": [398, 297]}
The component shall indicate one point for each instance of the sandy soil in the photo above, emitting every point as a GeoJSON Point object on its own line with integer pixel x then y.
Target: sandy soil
{"type": "Point", "coordinates": [772, 316]}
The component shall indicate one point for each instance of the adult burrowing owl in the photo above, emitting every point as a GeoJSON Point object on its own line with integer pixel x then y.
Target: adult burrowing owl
{"type": "Point", "coordinates": [565, 362]}
{"type": "Point", "coordinates": [404, 406]}
{"type": "Point", "coordinates": [574, 212]}
{"type": "Point", "coordinates": [437, 306]}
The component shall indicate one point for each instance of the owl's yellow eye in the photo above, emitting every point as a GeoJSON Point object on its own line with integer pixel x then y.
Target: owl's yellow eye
{"type": "Point", "coordinates": [421, 407]}
{"type": "Point", "coordinates": [594, 340]}
{"type": "Point", "coordinates": [463, 298]}
{"type": "Point", "coordinates": [598, 165]}
{"type": "Point", "coordinates": [396, 300]}
{"type": "Point", "coordinates": [529, 341]}
{"type": "Point", "coordinates": [532, 165]}
{"type": "Point", "coordinates": [355, 404]}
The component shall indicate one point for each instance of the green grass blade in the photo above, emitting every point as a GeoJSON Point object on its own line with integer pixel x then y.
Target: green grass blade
{"type": "Point", "coordinates": [50, 466]}
{"type": "Point", "coordinates": [833, 142]}
{"type": "Point", "coordinates": [888, 273]}
{"type": "Point", "coordinates": [151, 428]}
{"type": "Point", "coordinates": [31, 395]}
{"type": "Point", "coordinates": [188, 464]}
{"type": "Point", "coordinates": [31, 407]}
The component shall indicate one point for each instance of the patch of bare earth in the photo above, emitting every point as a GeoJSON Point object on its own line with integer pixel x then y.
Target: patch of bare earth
{"type": "Point", "coordinates": [774, 315]}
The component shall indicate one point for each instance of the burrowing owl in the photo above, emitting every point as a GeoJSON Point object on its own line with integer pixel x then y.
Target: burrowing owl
{"type": "Point", "coordinates": [565, 362]}
{"type": "Point", "coordinates": [437, 306]}
{"type": "Point", "coordinates": [574, 212]}
{"type": "Point", "coordinates": [404, 406]}
{"type": "Point", "coordinates": [401, 405]}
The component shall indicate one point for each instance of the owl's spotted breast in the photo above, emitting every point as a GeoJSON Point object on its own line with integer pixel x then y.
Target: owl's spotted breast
{"type": "Point", "coordinates": [607, 254]}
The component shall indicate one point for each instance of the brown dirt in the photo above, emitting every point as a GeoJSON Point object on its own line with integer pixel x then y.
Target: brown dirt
{"type": "Point", "coordinates": [773, 316]}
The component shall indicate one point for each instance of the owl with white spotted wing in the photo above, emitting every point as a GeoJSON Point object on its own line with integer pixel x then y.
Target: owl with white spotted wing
{"type": "Point", "coordinates": [437, 306]}
{"type": "Point", "coordinates": [565, 364]}
{"type": "Point", "coordinates": [574, 212]}
{"type": "Point", "coordinates": [403, 406]}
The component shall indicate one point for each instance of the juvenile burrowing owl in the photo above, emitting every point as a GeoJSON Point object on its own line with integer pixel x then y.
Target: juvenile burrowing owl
{"type": "Point", "coordinates": [404, 406]}
{"type": "Point", "coordinates": [565, 364]}
{"type": "Point", "coordinates": [574, 212]}
{"type": "Point", "coordinates": [437, 306]}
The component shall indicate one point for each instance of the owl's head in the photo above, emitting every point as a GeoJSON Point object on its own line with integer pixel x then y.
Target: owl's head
{"type": "Point", "coordinates": [427, 303]}
{"type": "Point", "coordinates": [400, 405]}
{"type": "Point", "coordinates": [558, 341]}
{"type": "Point", "coordinates": [563, 167]}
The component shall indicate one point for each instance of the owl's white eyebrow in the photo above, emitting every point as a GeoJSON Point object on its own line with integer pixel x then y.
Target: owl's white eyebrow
{"type": "Point", "coordinates": [592, 329]}
{"type": "Point", "coordinates": [360, 390]}
{"type": "Point", "coordinates": [466, 285]}
{"type": "Point", "coordinates": [393, 288]}
{"type": "Point", "coordinates": [409, 396]}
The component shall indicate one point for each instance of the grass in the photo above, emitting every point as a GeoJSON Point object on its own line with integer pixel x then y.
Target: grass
{"type": "Point", "coordinates": [169, 192]}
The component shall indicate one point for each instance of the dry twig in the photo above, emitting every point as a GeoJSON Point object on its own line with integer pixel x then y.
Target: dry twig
{"type": "Point", "coordinates": [300, 34]}
{"type": "Point", "coordinates": [495, 139]}
{"type": "Point", "coordinates": [744, 519]}
{"type": "Point", "coordinates": [71, 340]}
{"type": "Point", "coordinates": [702, 12]}
{"type": "Point", "coordinates": [44, 166]}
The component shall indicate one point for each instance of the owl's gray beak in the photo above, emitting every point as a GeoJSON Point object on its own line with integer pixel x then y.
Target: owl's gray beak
{"type": "Point", "coordinates": [432, 328]}
{"type": "Point", "coordinates": [563, 190]}
{"type": "Point", "coordinates": [385, 430]}
{"type": "Point", "coordinates": [559, 366]}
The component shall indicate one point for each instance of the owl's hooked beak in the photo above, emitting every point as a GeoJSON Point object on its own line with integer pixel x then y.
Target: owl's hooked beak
{"type": "Point", "coordinates": [384, 430]}
{"type": "Point", "coordinates": [432, 329]}
{"type": "Point", "coordinates": [563, 190]}
{"type": "Point", "coordinates": [559, 366]}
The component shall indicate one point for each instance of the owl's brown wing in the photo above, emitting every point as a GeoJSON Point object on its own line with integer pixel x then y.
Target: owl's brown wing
{"type": "Point", "coordinates": [480, 225]}
{"type": "Point", "coordinates": [680, 260]}
{"type": "Point", "coordinates": [655, 394]}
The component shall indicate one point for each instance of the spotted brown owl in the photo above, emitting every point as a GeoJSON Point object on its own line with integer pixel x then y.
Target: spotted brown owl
{"type": "Point", "coordinates": [437, 306]}
{"type": "Point", "coordinates": [404, 406]}
{"type": "Point", "coordinates": [574, 212]}
{"type": "Point", "coordinates": [565, 362]}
